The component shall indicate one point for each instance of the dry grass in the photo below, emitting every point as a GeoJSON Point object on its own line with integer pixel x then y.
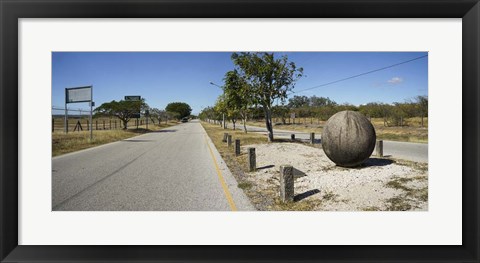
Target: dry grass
{"type": "Point", "coordinates": [74, 141]}
{"type": "Point", "coordinates": [410, 132]}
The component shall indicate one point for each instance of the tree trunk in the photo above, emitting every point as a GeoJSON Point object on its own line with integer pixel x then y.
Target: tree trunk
{"type": "Point", "coordinates": [245, 124]}
{"type": "Point", "coordinates": [125, 122]}
{"type": "Point", "coordinates": [234, 121]}
{"type": "Point", "coordinates": [268, 123]}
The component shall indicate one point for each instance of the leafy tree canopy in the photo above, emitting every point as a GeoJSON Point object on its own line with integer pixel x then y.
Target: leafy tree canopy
{"type": "Point", "coordinates": [181, 109]}
{"type": "Point", "coordinates": [124, 110]}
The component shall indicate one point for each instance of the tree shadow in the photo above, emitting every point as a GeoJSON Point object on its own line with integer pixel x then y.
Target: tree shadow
{"type": "Point", "coordinates": [306, 194]}
{"type": "Point", "coordinates": [165, 130]}
{"type": "Point", "coordinates": [137, 140]}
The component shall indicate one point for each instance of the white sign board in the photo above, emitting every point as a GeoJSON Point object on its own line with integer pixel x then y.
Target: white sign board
{"type": "Point", "coordinates": [80, 94]}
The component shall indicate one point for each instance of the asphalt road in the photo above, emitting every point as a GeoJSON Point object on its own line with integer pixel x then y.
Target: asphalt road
{"type": "Point", "coordinates": [175, 169]}
{"type": "Point", "coordinates": [417, 152]}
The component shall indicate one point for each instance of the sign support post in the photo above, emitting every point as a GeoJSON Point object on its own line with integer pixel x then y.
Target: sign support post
{"type": "Point", "coordinates": [91, 110]}
{"type": "Point", "coordinates": [79, 94]}
{"type": "Point", "coordinates": [65, 121]}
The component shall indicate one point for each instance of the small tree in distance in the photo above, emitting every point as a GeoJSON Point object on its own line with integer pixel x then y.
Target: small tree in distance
{"type": "Point", "coordinates": [124, 110]}
{"type": "Point", "coordinates": [180, 109]}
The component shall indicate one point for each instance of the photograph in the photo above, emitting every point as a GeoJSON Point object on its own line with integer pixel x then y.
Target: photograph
{"type": "Point", "coordinates": [240, 131]}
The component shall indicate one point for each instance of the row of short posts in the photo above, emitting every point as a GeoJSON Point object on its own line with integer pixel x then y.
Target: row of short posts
{"type": "Point", "coordinates": [251, 151]}
{"type": "Point", "coordinates": [312, 137]}
{"type": "Point", "coordinates": [286, 171]}
{"type": "Point", "coordinates": [379, 148]}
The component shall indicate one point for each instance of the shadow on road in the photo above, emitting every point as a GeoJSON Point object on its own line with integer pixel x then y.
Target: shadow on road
{"type": "Point", "coordinates": [304, 195]}
{"type": "Point", "coordinates": [166, 130]}
{"type": "Point", "coordinates": [137, 140]}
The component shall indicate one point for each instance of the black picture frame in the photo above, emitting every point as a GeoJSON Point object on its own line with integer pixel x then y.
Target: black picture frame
{"type": "Point", "coordinates": [11, 11]}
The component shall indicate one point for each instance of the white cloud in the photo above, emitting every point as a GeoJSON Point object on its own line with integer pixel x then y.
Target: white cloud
{"type": "Point", "coordinates": [395, 80]}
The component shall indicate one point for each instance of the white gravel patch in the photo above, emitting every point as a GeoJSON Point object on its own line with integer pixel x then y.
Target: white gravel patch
{"type": "Point", "coordinates": [337, 188]}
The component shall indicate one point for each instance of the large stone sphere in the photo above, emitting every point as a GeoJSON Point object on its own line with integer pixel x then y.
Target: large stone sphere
{"type": "Point", "coordinates": [348, 138]}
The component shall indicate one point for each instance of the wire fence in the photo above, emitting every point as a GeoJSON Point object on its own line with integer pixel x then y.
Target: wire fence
{"type": "Point", "coordinates": [79, 120]}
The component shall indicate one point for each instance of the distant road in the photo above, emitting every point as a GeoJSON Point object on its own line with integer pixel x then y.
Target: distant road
{"type": "Point", "coordinates": [175, 169]}
{"type": "Point", "coordinates": [417, 152]}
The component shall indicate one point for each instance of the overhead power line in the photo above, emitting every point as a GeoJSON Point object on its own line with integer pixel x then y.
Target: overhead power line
{"type": "Point", "coordinates": [359, 75]}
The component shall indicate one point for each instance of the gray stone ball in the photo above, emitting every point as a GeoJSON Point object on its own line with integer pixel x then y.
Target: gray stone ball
{"type": "Point", "coordinates": [348, 138]}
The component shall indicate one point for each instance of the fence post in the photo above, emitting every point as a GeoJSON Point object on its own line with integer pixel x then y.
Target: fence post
{"type": "Point", "coordinates": [53, 124]}
{"type": "Point", "coordinates": [379, 148]}
{"type": "Point", "coordinates": [312, 138]}
{"type": "Point", "coordinates": [225, 135]}
{"type": "Point", "coordinates": [109, 124]}
{"type": "Point", "coordinates": [237, 147]}
{"type": "Point", "coordinates": [104, 124]}
{"type": "Point", "coordinates": [96, 125]}
{"type": "Point", "coordinates": [292, 137]}
{"type": "Point", "coordinates": [115, 124]}
{"type": "Point", "coordinates": [252, 161]}
{"type": "Point", "coordinates": [286, 183]}
{"type": "Point", "coordinates": [229, 140]}
{"type": "Point", "coordinates": [88, 125]}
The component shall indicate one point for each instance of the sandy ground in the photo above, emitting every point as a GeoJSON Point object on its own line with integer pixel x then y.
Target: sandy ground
{"type": "Point", "coordinates": [378, 185]}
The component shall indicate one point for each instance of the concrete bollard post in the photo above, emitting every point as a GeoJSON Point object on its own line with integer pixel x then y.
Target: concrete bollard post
{"type": "Point", "coordinates": [312, 138]}
{"type": "Point", "coordinates": [252, 162]}
{"type": "Point", "coordinates": [229, 140]}
{"type": "Point", "coordinates": [379, 148]}
{"type": "Point", "coordinates": [286, 183]}
{"type": "Point", "coordinates": [292, 137]}
{"type": "Point", "coordinates": [237, 147]}
{"type": "Point", "coordinates": [225, 135]}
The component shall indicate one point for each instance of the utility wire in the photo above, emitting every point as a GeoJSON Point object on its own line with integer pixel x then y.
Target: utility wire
{"type": "Point", "coordinates": [358, 75]}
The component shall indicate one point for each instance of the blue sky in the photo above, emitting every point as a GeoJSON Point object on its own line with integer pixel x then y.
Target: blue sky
{"type": "Point", "coordinates": [164, 77]}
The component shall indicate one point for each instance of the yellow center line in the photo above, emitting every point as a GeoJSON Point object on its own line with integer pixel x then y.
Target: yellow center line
{"type": "Point", "coordinates": [222, 181]}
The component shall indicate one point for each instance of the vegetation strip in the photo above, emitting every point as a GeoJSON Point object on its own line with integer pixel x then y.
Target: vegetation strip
{"type": "Point", "coordinates": [63, 143]}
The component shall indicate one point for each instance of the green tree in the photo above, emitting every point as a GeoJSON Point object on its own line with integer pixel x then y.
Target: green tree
{"type": "Point", "coordinates": [282, 112]}
{"type": "Point", "coordinates": [315, 101]}
{"type": "Point", "coordinates": [269, 79]}
{"type": "Point", "coordinates": [159, 114]}
{"type": "Point", "coordinates": [422, 106]}
{"type": "Point", "coordinates": [298, 102]}
{"type": "Point", "coordinates": [182, 109]}
{"type": "Point", "coordinates": [221, 108]}
{"type": "Point", "coordinates": [124, 110]}
{"type": "Point", "coordinates": [238, 97]}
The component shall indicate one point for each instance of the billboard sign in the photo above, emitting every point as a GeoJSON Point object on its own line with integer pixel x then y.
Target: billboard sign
{"type": "Point", "coordinates": [80, 94]}
{"type": "Point", "coordinates": [133, 98]}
